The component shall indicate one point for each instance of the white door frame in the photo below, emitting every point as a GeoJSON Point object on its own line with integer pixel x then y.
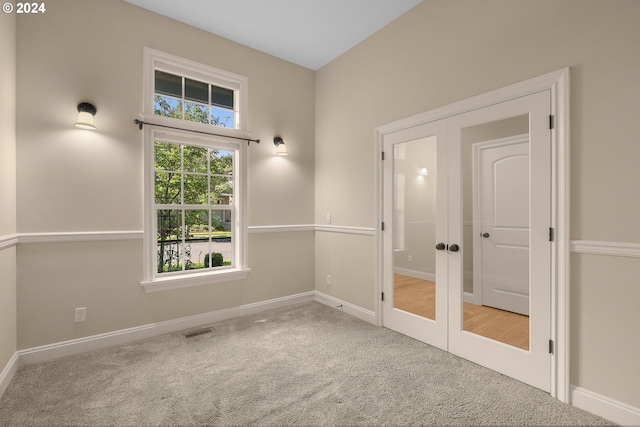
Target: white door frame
{"type": "Point", "coordinates": [558, 83]}
{"type": "Point", "coordinates": [477, 203]}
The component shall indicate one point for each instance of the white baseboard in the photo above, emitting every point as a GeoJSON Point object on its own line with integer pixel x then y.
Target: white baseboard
{"type": "Point", "coordinates": [8, 372]}
{"type": "Point", "coordinates": [469, 297]}
{"type": "Point", "coordinates": [605, 407]}
{"type": "Point", "coordinates": [67, 348]}
{"type": "Point", "coordinates": [594, 403]}
{"type": "Point", "coordinates": [81, 345]}
{"type": "Point", "coordinates": [353, 310]}
{"type": "Point", "coordinates": [423, 275]}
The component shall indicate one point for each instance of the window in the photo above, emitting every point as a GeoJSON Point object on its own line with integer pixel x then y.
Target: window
{"type": "Point", "coordinates": [193, 204]}
{"type": "Point", "coordinates": [183, 93]}
{"type": "Point", "coordinates": [195, 221]}
{"type": "Point", "coordinates": [187, 99]}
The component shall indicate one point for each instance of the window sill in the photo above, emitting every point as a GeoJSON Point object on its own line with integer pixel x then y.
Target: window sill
{"type": "Point", "coordinates": [196, 279]}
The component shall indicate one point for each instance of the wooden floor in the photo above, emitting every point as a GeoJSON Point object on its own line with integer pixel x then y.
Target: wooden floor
{"type": "Point", "coordinates": [418, 296]}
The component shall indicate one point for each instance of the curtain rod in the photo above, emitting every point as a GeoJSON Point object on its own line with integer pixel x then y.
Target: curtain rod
{"type": "Point", "coordinates": [140, 123]}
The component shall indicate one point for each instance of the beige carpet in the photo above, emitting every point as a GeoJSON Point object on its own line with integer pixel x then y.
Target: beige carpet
{"type": "Point", "coordinates": [306, 364]}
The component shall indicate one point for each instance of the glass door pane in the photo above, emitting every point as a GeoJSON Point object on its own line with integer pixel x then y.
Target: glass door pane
{"type": "Point", "coordinates": [414, 227]}
{"type": "Point", "coordinates": [415, 209]}
{"type": "Point", "coordinates": [495, 182]}
{"type": "Point", "coordinates": [499, 218]}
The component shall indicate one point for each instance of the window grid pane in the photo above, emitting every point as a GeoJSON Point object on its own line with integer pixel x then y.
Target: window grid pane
{"type": "Point", "coordinates": [170, 245]}
{"type": "Point", "coordinates": [168, 84]}
{"type": "Point", "coordinates": [191, 237]}
{"type": "Point", "coordinates": [196, 91]}
{"type": "Point", "coordinates": [195, 101]}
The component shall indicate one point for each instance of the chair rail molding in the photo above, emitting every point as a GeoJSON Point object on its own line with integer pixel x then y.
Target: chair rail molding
{"type": "Point", "coordinates": [280, 228]}
{"type": "Point", "coordinates": [8, 241]}
{"type": "Point", "coordinates": [606, 248]}
{"type": "Point", "coordinates": [363, 231]}
{"type": "Point", "coordinates": [78, 236]}
{"type": "Point", "coordinates": [95, 236]}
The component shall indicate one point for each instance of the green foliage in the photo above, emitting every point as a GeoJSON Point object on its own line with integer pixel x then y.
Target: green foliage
{"type": "Point", "coordinates": [167, 107]}
{"type": "Point", "coordinates": [188, 175]}
{"type": "Point", "coordinates": [172, 107]}
{"type": "Point", "coordinates": [217, 260]}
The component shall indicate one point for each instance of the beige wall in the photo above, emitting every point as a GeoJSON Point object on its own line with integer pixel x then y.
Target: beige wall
{"type": "Point", "coordinates": [443, 51]}
{"type": "Point", "coordinates": [71, 180]}
{"type": "Point", "coordinates": [348, 259]}
{"type": "Point", "coordinates": [7, 187]}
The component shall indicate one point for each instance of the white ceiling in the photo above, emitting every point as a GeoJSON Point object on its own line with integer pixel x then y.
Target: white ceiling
{"type": "Point", "coordinates": [310, 33]}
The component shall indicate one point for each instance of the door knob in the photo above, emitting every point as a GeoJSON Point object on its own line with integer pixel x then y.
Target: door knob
{"type": "Point", "coordinates": [441, 246]}
{"type": "Point", "coordinates": [485, 235]}
{"type": "Point", "coordinates": [454, 248]}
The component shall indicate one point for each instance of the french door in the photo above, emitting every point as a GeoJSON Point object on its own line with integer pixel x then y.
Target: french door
{"type": "Point", "coordinates": [467, 256]}
{"type": "Point", "coordinates": [416, 185]}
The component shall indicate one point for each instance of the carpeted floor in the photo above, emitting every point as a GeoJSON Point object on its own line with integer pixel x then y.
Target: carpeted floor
{"type": "Point", "coordinates": [306, 364]}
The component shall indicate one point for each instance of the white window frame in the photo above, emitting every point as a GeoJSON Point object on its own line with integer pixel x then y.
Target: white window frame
{"type": "Point", "coordinates": [152, 281]}
{"type": "Point", "coordinates": [157, 60]}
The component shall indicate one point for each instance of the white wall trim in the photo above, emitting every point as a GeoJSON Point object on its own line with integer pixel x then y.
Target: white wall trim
{"type": "Point", "coordinates": [67, 348]}
{"type": "Point", "coordinates": [513, 91]}
{"type": "Point", "coordinates": [423, 275]}
{"type": "Point", "coordinates": [195, 279]}
{"type": "Point", "coordinates": [280, 228]}
{"type": "Point", "coordinates": [577, 246]}
{"type": "Point", "coordinates": [582, 398]}
{"type": "Point", "coordinates": [94, 342]}
{"type": "Point", "coordinates": [8, 372]}
{"type": "Point", "coordinates": [79, 236]}
{"type": "Point", "coordinates": [605, 407]}
{"type": "Point", "coordinates": [8, 241]}
{"type": "Point", "coordinates": [96, 236]}
{"type": "Point", "coordinates": [352, 309]}
{"type": "Point", "coordinates": [365, 231]}
{"type": "Point", "coordinates": [606, 248]}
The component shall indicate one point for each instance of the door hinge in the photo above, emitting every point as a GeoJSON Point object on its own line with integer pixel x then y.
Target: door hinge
{"type": "Point", "coordinates": [383, 155]}
{"type": "Point", "coordinates": [382, 225]}
{"type": "Point", "coordinates": [383, 296]}
{"type": "Point", "coordinates": [551, 234]}
{"type": "Point", "coordinates": [550, 121]}
{"type": "Point", "coordinates": [550, 346]}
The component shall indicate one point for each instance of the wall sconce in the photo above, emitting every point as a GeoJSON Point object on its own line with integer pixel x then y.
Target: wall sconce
{"type": "Point", "coordinates": [86, 112]}
{"type": "Point", "coordinates": [424, 172]}
{"type": "Point", "coordinates": [281, 148]}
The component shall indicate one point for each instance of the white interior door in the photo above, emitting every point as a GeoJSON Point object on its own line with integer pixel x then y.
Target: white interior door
{"type": "Point", "coordinates": [432, 220]}
{"type": "Point", "coordinates": [415, 212]}
{"type": "Point", "coordinates": [501, 212]}
{"type": "Point", "coordinates": [520, 257]}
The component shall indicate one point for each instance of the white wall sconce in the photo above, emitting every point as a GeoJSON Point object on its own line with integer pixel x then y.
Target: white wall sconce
{"type": "Point", "coordinates": [281, 148]}
{"type": "Point", "coordinates": [86, 112]}
{"type": "Point", "coordinates": [424, 172]}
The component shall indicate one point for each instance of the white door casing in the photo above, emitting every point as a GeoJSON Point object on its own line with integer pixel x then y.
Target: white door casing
{"type": "Point", "coordinates": [557, 83]}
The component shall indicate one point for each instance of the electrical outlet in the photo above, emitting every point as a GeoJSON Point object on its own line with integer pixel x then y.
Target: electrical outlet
{"type": "Point", "coordinates": [80, 314]}
{"type": "Point", "coordinates": [328, 217]}
{"type": "Point", "coordinates": [410, 258]}
{"type": "Point", "coordinates": [329, 279]}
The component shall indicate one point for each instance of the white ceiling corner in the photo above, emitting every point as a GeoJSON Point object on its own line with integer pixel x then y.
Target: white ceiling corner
{"type": "Point", "coordinates": [310, 33]}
